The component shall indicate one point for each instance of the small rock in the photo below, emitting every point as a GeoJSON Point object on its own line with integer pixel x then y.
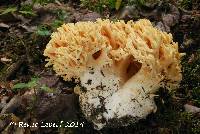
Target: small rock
{"type": "Point", "coordinates": [4, 59]}
{"type": "Point", "coordinates": [191, 109]}
{"type": "Point", "coordinates": [171, 18]}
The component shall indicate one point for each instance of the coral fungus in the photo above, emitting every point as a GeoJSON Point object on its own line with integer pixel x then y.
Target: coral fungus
{"type": "Point", "coordinates": [119, 65]}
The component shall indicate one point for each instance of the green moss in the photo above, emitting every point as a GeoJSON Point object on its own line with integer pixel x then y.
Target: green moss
{"type": "Point", "coordinates": [109, 5]}
{"type": "Point", "coordinates": [191, 77]}
{"type": "Point", "coordinates": [171, 116]}
{"type": "Point", "coordinates": [99, 5]}
{"type": "Point", "coordinates": [43, 2]}
{"type": "Point", "coordinates": [185, 4]}
{"type": "Point", "coordinates": [138, 2]}
{"type": "Point", "coordinates": [142, 3]}
{"type": "Point", "coordinates": [196, 126]}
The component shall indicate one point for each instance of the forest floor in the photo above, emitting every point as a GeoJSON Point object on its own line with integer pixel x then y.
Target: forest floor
{"type": "Point", "coordinates": [30, 92]}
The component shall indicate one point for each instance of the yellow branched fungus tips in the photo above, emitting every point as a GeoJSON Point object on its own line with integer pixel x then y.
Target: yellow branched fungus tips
{"type": "Point", "coordinates": [72, 46]}
{"type": "Point", "coordinates": [119, 66]}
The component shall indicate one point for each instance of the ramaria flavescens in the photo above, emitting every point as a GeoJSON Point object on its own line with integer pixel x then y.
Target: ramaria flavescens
{"type": "Point", "coordinates": [119, 67]}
